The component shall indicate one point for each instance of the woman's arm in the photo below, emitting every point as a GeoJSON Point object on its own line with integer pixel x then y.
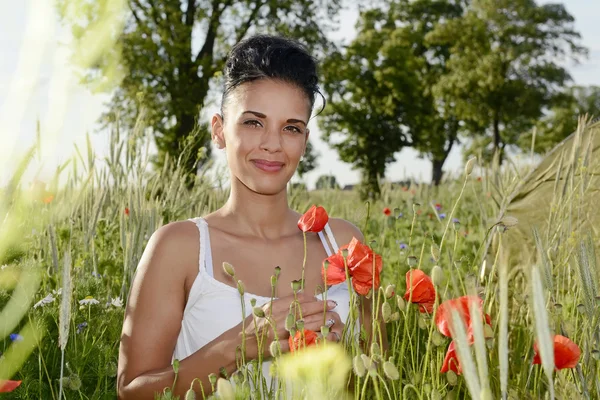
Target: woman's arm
{"type": "Point", "coordinates": [153, 321]}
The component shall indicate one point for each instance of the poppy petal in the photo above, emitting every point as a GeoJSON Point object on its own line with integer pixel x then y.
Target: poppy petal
{"type": "Point", "coordinates": [451, 362]}
{"type": "Point", "coordinates": [314, 220]}
{"type": "Point", "coordinates": [8, 386]}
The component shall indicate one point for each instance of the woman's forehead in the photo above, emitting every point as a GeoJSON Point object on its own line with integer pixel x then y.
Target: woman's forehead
{"type": "Point", "coordinates": [271, 97]}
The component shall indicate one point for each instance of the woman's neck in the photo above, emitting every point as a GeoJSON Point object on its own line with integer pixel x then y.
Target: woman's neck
{"type": "Point", "coordinates": [264, 216]}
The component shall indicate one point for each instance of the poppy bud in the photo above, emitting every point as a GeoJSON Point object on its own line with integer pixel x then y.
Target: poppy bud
{"type": "Point", "coordinates": [452, 378]}
{"type": "Point", "coordinates": [290, 322]}
{"type": "Point", "coordinates": [274, 348]}
{"type": "Point", "coordinates": [375, 349]}
{"type": "Point", "coordinates": [228, 268]}
{"type": "Point", "coordinates": [395, 316]}
{"type": "Point", "coordinates": [212, 378]}
{"type": "Point", "coordinates": [367, 362]}
{"type": "Point", "coordinates": [258, 312]}
{"type": "Point", "coordinates": [190, 394]}
{"type": "Point", "coordinates": [225, 389]}
{"type": "Point", "coordinates": [435, 252]}
{"type": "Point", "coordinates": [390, 291]}
{"type": "Point", "coordinates": [437, 276]}
{"type": "Point", "coordinates": [391, 371]}
{"type": "Point", "coordinates": [488, 332]}
{"type": "Point", "coordinates": [412, 261]}
{"type": "Point", "coordinates": [400, 302]}
{"type": "Point", "coordinates": [386, 312]}
{"type": "Point", "coordinates": [422, 323]}
{"type": "Point", "coordinates": [469, 166]}
{"type": "Point", "coordinates": [74, 382]}
{"type": "Point", "coordinates": [359, 366]}
{"type": "Point", "coordinates": [240, 287]}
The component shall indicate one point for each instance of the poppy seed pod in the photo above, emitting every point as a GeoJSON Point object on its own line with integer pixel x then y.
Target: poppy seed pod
{"type": "Point", "coordinates": [300, 325]}
{"type": "Point", "coordinates": [228, 268]}
{"type": "Point", "coordinates": [253, 302]}
{"type": "Point", "coordinates": [258, 312]}
{"type": "Point", "coordinates": [212, 378]}
{"type": "Point", "coordinates": [277, 270]}
{"type": "Point", "coordinates": [324, 331]}
{"type": "Point", "coordinates": [375, 349]}
{"type": "Point", "coordinates": [412, 261]}
{"type": "Point", "coordinates": [296, 285]}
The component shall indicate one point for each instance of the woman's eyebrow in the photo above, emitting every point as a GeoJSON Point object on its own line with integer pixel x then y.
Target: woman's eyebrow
{"type": "Point", "coordinates": [261, 115]}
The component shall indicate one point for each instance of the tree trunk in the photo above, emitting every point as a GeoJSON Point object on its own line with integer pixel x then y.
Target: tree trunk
{"type": "Point", "coordinates": [436, 171]}
{"type": "Point", "coordinates": [497, 138]}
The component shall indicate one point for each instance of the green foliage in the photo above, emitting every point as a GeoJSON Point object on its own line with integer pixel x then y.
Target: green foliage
{"type": "Point", "coordinates": [502, 67]}
{"type": "Point", "coordinates": [159, 66]}
{"type": "Point", "coordinates": [308, 161]}
{"type": "Point", "coordinates": [327, 182]}
{"type": "Point", "coordinates": [562, 118]}
{"type": "Point", "coordinates": [373, 91]}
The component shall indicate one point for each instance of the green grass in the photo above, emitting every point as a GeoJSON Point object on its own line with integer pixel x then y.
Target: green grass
{"type": "Point", "coordinates": [85, 228]}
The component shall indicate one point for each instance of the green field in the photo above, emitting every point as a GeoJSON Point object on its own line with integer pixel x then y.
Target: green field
{"type": "Point", "coordinates": [87, 234]}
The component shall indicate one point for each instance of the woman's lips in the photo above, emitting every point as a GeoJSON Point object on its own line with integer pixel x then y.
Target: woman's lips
{"type": "Point", "coordinates": [268, 166]}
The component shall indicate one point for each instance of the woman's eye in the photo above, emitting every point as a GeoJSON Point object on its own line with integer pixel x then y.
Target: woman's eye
{"type": "Point", "coordinates": [293, 129]}
{"type": "Point", "coordinates": [252, 122]}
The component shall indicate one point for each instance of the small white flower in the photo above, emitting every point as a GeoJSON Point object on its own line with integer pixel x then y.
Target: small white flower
{"type": "Point", "coordinates": [46, 300]}
{"type": "Point", "coordinates": [4, 267]}
{"type": "Point", "coordinates": [88, 301]}
{"type": "Point", "coordinates": [118, 302]}
{"type": "Point", "coordinates": [57, 292]}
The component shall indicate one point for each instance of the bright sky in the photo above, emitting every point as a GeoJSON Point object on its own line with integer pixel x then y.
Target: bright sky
{"type": "Point", "coordinates": [36, 84]}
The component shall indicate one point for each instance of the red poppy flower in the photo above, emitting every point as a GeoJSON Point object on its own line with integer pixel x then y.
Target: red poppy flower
{"type": "Point", "coordinates": [423, 291]}
{"type": "Point", "coordinates": [127, 211]}
{"type": "Point", "coordinates": [314, 220]}
{"type": "Point", "coordinates": [438, 206]}
{"type": "Point", "coordinates": [48, 199]}
{"type": "Point", "coordinates": [443, 317]}
{"type": "Point", "coordinates": [296, 343]}
{"type": "Point", "coordinates": [566, 353]}
{"type": "Point", "coordinates": [8, 386]}
{"type": "Point", "coordinates": [479, 179]}
{"type": "Point", "coordinates": [451, 362]}
{"type": "Point", "coordinates": [387, 211]}
{"type": "Point", "coordinates": [360, 262]}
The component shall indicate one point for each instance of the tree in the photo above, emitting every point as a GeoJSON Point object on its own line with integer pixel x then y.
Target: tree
{"type": "Point", "coordinates": [372, 95]}
{"type": "Point", "coordinates": [436, 127]}
{"type": "Point", "coordinates": [171, 51]}
{"type": "Point", "coordinates": [327, 182]}
{"type": "Point", "coordinates": [502, 67]}
{"type": "Point", "coordinates": [309, 160]}
{"type": "Point", "coordinates": [562, 118]}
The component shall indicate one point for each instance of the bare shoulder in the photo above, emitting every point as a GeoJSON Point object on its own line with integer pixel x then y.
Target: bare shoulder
{"type": "Point", "coordinates": [344, 231]}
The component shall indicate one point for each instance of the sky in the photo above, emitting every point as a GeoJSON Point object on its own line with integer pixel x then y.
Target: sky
{"type": "Point", "coordinates": [37, 85]}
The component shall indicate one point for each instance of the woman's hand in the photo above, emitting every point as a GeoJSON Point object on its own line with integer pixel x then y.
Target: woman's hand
{"type": "Point", "coordinates": [271, 327]}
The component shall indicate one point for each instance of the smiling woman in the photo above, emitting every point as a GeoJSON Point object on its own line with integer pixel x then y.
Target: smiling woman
{"type": "Point", "coordinates": [182, 305]}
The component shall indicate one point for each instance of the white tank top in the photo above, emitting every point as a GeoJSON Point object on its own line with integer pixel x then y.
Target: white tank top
{"type": "Point", "coordinates": [214, 307]}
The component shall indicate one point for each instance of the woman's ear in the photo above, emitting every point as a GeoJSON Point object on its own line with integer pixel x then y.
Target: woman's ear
{"type": "Point", "coordinates": [218, 131]}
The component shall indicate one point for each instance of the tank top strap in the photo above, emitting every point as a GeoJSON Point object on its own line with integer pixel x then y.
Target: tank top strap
{"type": "Point", "coordinates": [205, 258]}
{"type": "Point", "coordinates": [331, 238]}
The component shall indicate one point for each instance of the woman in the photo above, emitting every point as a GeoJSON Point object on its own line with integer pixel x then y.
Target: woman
{"type": "Point", "coordinates": [182, 303]}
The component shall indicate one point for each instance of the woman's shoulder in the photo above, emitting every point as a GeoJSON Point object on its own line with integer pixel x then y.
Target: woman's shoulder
{"type": "Point", "coordinates": [175, 237]}
{"type": "Point", "coordinates": [344, 231]}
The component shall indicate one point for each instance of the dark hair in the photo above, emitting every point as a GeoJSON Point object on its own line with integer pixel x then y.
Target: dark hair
{"type": "Point", "coordinates": [276, 57]}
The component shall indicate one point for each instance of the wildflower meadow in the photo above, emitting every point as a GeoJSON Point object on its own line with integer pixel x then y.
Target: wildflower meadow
{"type": "Point", "coordinates": [488, 285]}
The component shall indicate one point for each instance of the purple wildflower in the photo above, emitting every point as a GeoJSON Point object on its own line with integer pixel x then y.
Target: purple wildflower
{"type": "Point", "coordinates": [442, 215]}
{"type": "Point", "coordinates": [455, 220]}
{"type": "Point", "coordinates": [81, 326]}
{"type": "Point", "coordinates": [15, 337]}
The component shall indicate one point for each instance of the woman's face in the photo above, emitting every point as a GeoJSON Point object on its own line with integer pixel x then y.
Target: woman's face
{"type": "Point", "coordinates": [264, 133]}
